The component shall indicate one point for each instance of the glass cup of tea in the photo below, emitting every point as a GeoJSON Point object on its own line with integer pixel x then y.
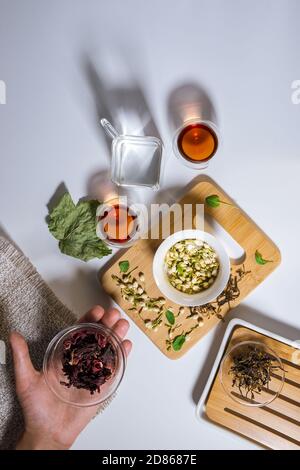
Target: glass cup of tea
{"type": "Point", "coordinates": [119, 222]}
{"type": "Point", "coordinates": [196, 142]}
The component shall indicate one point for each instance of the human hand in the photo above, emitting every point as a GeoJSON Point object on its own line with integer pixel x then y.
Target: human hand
{"type": "Point", "coordinates": [49, 422]}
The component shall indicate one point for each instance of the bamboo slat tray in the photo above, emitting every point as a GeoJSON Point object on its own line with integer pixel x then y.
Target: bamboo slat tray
{"type": "Point", "coordinates": [276, 425]}
{"type": "Point", "coordinates": [241, 228]}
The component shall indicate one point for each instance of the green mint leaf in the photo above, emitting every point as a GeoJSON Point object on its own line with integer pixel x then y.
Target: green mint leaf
{"type": "Point", "coordinates": [170, 317]}
{"type": "Point", "coordinates": [75, 228]}
{"type": "Point", "coordinates": [124, 266]}
{"type": "Point", "coordinates": [260, 260]}
{"type": "Point", "coordinates": [214, 201]}
{"type": "Point", "coordinates": [178, 342]}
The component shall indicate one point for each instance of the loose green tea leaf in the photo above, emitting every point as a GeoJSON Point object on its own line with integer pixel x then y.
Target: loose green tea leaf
{"type": "Point", "coordinates": [124, 266]}
{"type": "Point", "coordinates": [170, 317]}
{"type": "Point", "coordinates": [214, 201]}
{"type": "Point", "coordinates": [180, 269]}
{"type": "Point", "coordinates": [75, 228]}
{"type": "Point", "coordinates": [178, 342]}
{"type": "Point", "coordinates": [260, 260]}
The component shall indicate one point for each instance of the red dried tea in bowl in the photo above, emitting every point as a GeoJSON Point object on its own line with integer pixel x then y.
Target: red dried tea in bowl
{"type": "Point", "coordinates": [88, 360]}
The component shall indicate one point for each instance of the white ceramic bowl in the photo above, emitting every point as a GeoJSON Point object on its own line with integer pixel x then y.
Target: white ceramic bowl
{"type": "Point", "coordinates": [180, 298]}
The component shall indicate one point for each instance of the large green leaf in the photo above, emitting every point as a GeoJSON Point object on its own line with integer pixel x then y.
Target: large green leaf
{"type": "Point", "coordinates": [75, 228]}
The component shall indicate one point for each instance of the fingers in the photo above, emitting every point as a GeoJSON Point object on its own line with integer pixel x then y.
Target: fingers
{"type": "Point", "coordinates": [93, 315]}
{"type": "Point", "coordinates": [112, 319]}
{"type": "Point", "coordinates": [97, 313]}
{"type": "Point", "coordinates": [25, 373]}
{"type": "Point", "coordinates": [121, 328]}
{"type": "Point", "coordinates": [127, 346]}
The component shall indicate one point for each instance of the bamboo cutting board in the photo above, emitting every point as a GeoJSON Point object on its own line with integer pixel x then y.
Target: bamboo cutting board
{"type": "Point", "coordinates": [245, 276]}
{"type": "Point", "coordinates": [276, 425]}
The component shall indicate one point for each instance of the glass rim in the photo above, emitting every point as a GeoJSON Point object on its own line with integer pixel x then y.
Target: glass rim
{"type": "Point", "coordinates": [124, 201]}
{"type": "Point", "coordinates": [51, 348]}
{"type": "Point", "coordinates": [201, 164]}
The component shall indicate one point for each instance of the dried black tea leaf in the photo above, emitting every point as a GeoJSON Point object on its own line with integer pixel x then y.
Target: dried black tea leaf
{"type": "Point", "coordinates": [251, 370]}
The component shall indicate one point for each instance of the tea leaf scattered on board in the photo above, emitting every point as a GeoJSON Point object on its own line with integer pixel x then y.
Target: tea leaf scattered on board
{"type": "Point", "coordinates": [170, 317]}
{"type": "Point", "coordinates": [260, 260]}
{"type": "Point", "coordinates": [178, 342]}
{"type": "Point", "coordinates": [124, 266]}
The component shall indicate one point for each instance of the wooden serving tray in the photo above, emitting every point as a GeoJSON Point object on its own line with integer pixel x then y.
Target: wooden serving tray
{"type": "Point", "coordinates": [246, 275]}
{"type": "Point", "coordinates": [276, 425]}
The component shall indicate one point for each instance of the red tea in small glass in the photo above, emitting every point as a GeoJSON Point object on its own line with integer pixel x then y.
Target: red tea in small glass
{"type": "Point", "coordinates": [119, 223]}
{"type": "Point", "coordinates": [197, 142]}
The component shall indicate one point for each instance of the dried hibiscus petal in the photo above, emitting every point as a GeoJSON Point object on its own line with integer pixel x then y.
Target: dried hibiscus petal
{"type": "Point", "coordinates": [88, 360]}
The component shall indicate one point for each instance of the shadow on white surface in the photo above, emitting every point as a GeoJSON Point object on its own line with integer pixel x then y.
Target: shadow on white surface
{"type": "Point", "coordinates": [55, 198]}
{"type": "Point", "coordinates": [189, 100]}
{"type": "Point", "coordinates": [81, 291]}
{"type": "Point", "coordinates": [124, 104]}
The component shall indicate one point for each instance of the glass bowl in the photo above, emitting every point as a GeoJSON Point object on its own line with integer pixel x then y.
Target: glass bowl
{"type": "Point", "coordinates": [53, 365]}
{"type": "Point", "coordinates": [268, 393]}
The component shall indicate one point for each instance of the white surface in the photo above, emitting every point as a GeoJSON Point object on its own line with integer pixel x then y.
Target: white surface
{"type": "Point", "coordinates": [246, 55]}
{"type": "Point", "coordinates": [181, 298]}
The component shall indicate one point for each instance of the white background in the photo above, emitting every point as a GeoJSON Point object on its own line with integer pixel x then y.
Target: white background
{"type": "Point", "coordinates": [55, 57]}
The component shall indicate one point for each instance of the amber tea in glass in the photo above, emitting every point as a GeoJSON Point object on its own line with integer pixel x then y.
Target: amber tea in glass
{"type": "Point", "coordinates": [196, 142]}
{"type": "Point", "coordinates": [118, 222]}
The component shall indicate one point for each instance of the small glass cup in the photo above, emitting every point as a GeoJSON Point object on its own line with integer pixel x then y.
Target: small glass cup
{"type": "Point", "coordinates": [119, 217]}
{"type": "Point", "coordinates": [196, 142]}
{"type": "Point", "coordinates": [54, 375]}
{"type": "Point", "coordinates": [267, 394]}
